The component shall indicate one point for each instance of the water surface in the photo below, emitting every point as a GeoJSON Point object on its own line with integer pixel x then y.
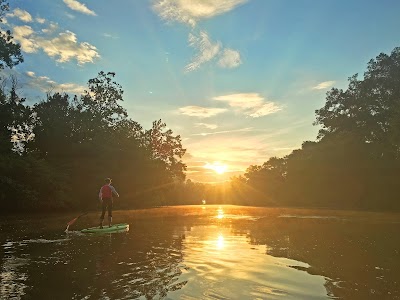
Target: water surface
{"type": "Point", "coordinates": [204, 252]}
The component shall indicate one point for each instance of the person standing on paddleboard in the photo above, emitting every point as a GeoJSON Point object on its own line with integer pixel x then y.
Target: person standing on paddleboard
{"type": "Point", "coordinates": [106, 198]}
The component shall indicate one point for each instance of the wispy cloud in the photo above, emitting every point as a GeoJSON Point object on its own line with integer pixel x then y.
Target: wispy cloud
{"type": "Point", "coordinates": [63, 47]}
{"type": "Point", "coordinates": [251, 104]}
{"type": "Point", "coordinates": [224, 131]}
{"type": "Point", "coordinates": [45, 84]}
{"type": "Point", "coordinates": [110, 36]}
{"type": "Point", "coordinates": [79, 7]}
{"type": "Point", "coordinates": [242, 100]}
{"type": "Point", "coordinates": [71, 16]}
{"type": "Point", "coordinates": [229, 59]}
{"type": "Point", "coordinates": [207, 50]}
{"type": "Point", "coordinates": [201, 112]}
{"type": "Point", "coordinates": [190, 12]}
{"type": "Point", "coordinates": [40, 20]}
{"type": "Point", "coordinates": [323, 85]}
{"type": "Point", "coordinates": [21, 14]}
{"type": "Point", "coordinates": [265, 109]}
{"type": "Point", "coordinates": [237, 147]}
{"type": "Point", "coordinates": [52, 28]}
{"type": "Point", "coordinates": [206, 125]}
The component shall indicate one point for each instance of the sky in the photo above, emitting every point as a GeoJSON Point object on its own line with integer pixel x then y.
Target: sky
{"type": "Point", "coordinates": [238, 80]}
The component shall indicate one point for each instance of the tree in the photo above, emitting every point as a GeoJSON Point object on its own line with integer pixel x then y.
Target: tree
{"type": "Point", "coordinates": [10, 52]}
{"type": "Point", "coordinates": [355, 161]}
{"type": "Point", "coordinates": [15, 119]}
{"type": "Point", "coordinates": [266, 180]}
{"type": "Point", "coordinates": [370, 108]}
{"type": "Point", "coordinates": [11, 108]}
{"type": "Point", "coordinates": [101, 101]}
{"type": "Point", "coordinates": [54, 126]}
{"type": "Point", "coordinates": [166, 148]}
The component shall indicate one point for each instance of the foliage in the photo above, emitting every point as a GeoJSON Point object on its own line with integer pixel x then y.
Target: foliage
{"type": "Point", "coordinates": [369, 108]}
{"type": "Point", "coordinates": [15, 118]}
{"type": "Point", "coordinates": [10, 52]}
{"type": "Point", "coordinates": [56, 153]}
{"type": "Point", "coordinates": [77, 142]}
{"type": "Point", "coordinates": [354, 163]}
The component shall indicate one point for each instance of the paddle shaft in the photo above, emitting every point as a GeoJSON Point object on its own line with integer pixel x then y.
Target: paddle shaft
{"type": "Point", "coordinates": [74, 220]}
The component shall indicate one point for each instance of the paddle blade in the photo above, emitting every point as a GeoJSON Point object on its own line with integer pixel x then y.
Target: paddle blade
{"type": "Point", "coordinates": [72, 221]}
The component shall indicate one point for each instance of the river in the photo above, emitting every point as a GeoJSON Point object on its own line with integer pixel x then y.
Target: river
{"type": "Point", "coordinates": [203, 252]}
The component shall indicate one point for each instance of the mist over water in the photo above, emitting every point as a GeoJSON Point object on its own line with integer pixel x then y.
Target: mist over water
{"type": "Point", "coordinates": [204, 252]}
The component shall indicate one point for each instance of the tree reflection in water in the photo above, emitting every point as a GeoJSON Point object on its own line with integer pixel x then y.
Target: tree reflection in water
{"type": "Point", "coordinates": [204, 252]}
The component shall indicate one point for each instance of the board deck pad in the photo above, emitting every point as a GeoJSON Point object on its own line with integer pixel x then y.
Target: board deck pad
{"type": "Point", "coordinates": [106, 229]}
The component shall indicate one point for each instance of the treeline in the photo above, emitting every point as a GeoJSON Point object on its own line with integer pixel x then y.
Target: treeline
{"type": "Point", "coordinates": [353, 164]}
{"type": "Point", "coordinates": [56, 153]}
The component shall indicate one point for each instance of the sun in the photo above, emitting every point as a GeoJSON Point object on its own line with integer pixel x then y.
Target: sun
{"type": "Point", "coordinates": [217, 167]}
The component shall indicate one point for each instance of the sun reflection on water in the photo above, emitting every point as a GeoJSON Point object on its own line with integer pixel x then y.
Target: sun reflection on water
{"type": "Point", "coordinates": [220, 212]}
{"type": "Point", "coordinates": [220, 241]}
{"type": "Point", "coordinates": [217, 253]}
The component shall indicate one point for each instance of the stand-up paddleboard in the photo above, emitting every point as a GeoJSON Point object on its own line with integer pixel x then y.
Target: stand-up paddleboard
{"type": "Point", "coordinates": [106, 229]}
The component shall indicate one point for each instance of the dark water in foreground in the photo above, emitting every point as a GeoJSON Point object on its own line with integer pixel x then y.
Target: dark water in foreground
{"type": "Point", "coordinates": [204, 252]}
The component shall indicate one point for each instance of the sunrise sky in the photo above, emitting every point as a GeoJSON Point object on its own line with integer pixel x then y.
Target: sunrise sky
{"type": "Point", "coordinates": [239, 80]}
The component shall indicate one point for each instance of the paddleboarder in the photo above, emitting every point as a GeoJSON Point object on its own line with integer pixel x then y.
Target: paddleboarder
{"type": "Point", "coordinates": [106, 198]}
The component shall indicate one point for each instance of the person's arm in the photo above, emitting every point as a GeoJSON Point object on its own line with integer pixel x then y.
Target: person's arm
{"type": "Point", "coordinates": [101, 194]}
{"type": "Point", "coordinates": [114, 191]}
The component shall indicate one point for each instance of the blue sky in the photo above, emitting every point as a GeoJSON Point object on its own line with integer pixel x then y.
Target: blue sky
{"type": "Point", "coordinates": [239, 80]}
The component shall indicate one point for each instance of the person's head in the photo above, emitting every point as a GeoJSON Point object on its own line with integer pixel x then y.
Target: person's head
{"type": "Point", "coordinates": [107, 180]}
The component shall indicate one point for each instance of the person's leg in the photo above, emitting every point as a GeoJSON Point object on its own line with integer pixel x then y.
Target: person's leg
{"type": "Point", "coordinates": [110, 207]}
{"type": "Point", "coordinates": [103, 212]}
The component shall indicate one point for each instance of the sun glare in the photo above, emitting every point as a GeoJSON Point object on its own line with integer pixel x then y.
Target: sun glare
{"type": "Point", "coordinates": [217, 167]}
{"type": "Point", "coordinates": [220, 213]}
{"type": "Point", "coordinates": [220, 241]}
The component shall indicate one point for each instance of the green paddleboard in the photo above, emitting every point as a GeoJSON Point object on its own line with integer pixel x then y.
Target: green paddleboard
{"type": "Point", "coordinates": [106, 229]}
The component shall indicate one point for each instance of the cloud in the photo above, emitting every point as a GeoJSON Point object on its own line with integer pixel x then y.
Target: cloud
{"type": "Point", "coordinates": [45, 84]}
{"type": "Point", "coordinates": [22, 34]}
{"type": "Point", "coordinates": [62, 48]}
{"type": "Point", "coordinates": [242, 100]}
{"type": "Point", "coordinates": [224, 131]}
{"type": "Point", "coordinates": [265, 109]}
{"type": "Point", "coordinates": [40, 20]}
{"type": "Point", "coordinates": [239, 148]}
{"type": "Point", "coordinates": [21, 14]}
{"type": "Point", "coordinates": [77, 6]}
{"type": "Point", "coordinates": [201, 112]}
{"type": "Point", "coordinates": [65, 47]}
{"type": "Point", "coordinates": [251, 104]}
{"type": "Point", "coordinates": [190, 12]}
{"type": "Point", "coordinates": [51, 29]}
{"type": "Point", "coordinates": [71, 16]}
{"type": "Point", "coordinates": [207, 50]}
{"type": "Point", "coordinates": [110, 36]}
{"type": "Point", "coordinates": [208, 126]}
{"type": "Point", "coordinates": [324, 85]}
{"type": "Point", "coordinates": [229, 59]}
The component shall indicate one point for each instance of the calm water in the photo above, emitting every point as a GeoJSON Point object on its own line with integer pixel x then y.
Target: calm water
{"type": "Point", "coordinates": [204, 252]}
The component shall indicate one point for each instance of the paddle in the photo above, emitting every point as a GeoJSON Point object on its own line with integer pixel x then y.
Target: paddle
{"type": "Point", "coordinates": [74, 220]}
